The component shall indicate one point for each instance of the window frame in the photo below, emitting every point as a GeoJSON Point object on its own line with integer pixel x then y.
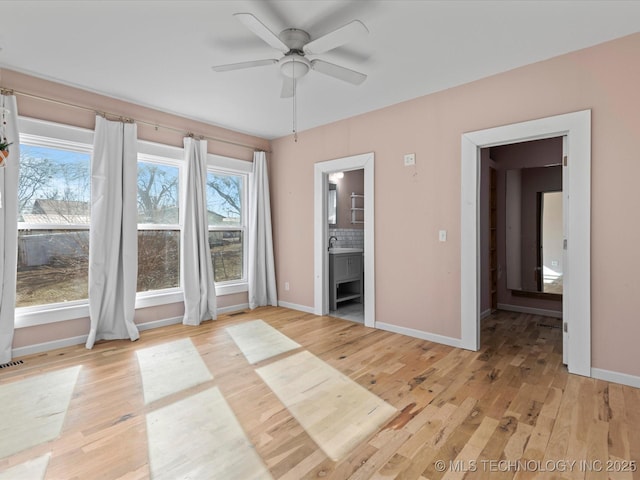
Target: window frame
{"type": "Point", "coordinates": [149, 152]}
{"type": "Point", "coordinates": [231, 166]}
{"type": "Point", "coordinates": [53, 135]}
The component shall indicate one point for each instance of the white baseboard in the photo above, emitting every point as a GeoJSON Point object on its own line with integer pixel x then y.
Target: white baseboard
{"type": "Point", "coordinates": [158, 323]}
{"type": "Point", "coordinates": [531, 310]}
{"type": "Point", "coordinates": [67, 342]}
{"type": "Point", "coordinates": [46, 346]}
{"type": "Point", "coordinates": [294, 306]}
{"type": "Point", "coordinates": [410, 332]}
{"type": "Point", "coordinates": [485, 314]}
{"type": "Point", "coordinates": [233, 308]}
{"type": "Point", "coordinates": [616, 377]}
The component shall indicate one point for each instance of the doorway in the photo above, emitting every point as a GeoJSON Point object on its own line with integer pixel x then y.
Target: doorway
{"type": "Point", "coordinates": [577, 179]}
{"type": "Point", "coordinates": [322, 170]}
{"type": "Point", "coordinates": [346, 245]}
{"type": "Point", "coordinates": [527, 174]}
{"type": "Point", "coordinates": [521, 228]}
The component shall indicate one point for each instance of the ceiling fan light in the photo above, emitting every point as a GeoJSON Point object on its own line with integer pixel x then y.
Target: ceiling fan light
{"type": "Point", "coordinates": [294, 66]}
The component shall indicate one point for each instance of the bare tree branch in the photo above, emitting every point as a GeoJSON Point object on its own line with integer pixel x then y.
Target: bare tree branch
{"type": "Point", "coordinates": [228, 188]}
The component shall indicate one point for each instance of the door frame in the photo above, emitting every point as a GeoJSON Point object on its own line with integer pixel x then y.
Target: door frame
{"type": "Point", "coordinates": [320, 243]}
{"type": "Point", "coordinates": [576, 307]}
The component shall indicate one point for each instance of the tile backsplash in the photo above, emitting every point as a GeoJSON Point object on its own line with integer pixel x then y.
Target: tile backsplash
{"type": "Point", "coordinates": [348, 237]}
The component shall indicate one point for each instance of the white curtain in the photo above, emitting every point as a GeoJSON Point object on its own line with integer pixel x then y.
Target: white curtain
{"type": "Point", "coordinates": [197, 269]}
{"type": "Point", "coordinates": [262, 272]}
{"type": "Point", "coordinates": [113, 236]}
{"type": "Point", "coordinates": [8, 226]}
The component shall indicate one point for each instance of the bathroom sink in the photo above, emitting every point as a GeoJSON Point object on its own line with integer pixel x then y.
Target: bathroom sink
{"type": "Point", "coordinates": [335, 250]}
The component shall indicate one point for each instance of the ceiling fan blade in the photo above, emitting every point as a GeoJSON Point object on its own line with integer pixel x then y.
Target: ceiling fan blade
{"type": "Point", "coordinates": [338, 72]}
{"type": "Point", "coordinates": [257, 27]}
{"type": "Point", "coordinates": [348, 33]}
{"type": "Point", "coordinates": [287, 88]}
{"type": "Point", "coordinates": [241, 65]}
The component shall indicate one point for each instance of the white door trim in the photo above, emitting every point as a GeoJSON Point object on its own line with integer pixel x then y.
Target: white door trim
{"type": "Point", "coordinates": [577, 293]}
{"type": "Point", "coordinates": [565, 214]}
{"type": "Point", "coordinates": [320, 243]}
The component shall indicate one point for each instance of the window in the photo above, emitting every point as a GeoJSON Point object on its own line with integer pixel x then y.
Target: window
{"type": "Point", "coordinates": [227, 225]}
{"type": "Point", "coordinates": [53, 222]}
{"type": "Point", "coordinates": [158, 223]}
{"type": "Point", "coordinates": [54, 217]}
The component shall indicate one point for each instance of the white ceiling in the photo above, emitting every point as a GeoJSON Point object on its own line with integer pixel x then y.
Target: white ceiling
{"type": "Point", "coordinates": [159, 53]}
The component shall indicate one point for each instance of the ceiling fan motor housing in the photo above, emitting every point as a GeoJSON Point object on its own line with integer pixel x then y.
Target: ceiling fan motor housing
{"type": "Point", "coordinates": [293, 64]}
{"type": "Point", "coordinates": [294, 38]}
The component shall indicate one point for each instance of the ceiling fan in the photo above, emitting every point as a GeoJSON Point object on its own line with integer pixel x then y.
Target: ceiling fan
{"type": "Point", "coordinates": [296, 44]}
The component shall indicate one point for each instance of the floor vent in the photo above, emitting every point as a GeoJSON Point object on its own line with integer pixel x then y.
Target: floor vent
{"type": "Point", "coordinates": [237, 313]}
{"type": "Point", "coordinates": [11, 364]}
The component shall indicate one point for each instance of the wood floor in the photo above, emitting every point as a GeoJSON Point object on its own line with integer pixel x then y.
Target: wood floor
{"type": "Point", "coordinates": [510, 410]}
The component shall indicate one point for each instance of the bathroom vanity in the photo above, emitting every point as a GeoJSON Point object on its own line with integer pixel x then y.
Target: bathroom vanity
{"type": "Point", "coordinates": [345, 275]}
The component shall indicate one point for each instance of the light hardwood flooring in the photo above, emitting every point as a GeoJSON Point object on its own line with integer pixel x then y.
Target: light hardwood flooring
{"type": "Point", "coordinates": [512, 400]}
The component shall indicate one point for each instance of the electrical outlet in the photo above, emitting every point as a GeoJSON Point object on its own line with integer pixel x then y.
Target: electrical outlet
{"type": "Point", "coordinates": [409, 159]}
{"type": "Point", "coordinates": [286, 286]}
{"type": "Point", "coordinates": [442, 235]}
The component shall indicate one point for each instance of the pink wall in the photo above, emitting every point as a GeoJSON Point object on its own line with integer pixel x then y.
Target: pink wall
{"type": "Point", "coordinates": [30, 107]}
{"type": "Point", "coordinates": [417, 277]}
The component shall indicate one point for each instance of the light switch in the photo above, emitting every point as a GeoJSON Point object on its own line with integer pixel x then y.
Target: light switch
{"type": "Point", "coordinates": [442, 235]}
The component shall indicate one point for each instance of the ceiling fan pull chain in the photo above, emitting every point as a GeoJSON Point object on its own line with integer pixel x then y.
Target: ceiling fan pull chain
{"type": "Point", "coordinates": [295, 106]}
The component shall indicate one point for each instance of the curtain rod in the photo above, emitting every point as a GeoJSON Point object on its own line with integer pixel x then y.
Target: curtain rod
{"type": "Point", "coordinates": [122, 118]}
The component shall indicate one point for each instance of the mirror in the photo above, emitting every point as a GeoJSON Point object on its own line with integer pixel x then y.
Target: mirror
{"type": "Point", "coordinates": [332, 204]}
{"type": "Point", "coordinates": [551, 244]}
{"type": "Point", "coordinates": [533, 229]}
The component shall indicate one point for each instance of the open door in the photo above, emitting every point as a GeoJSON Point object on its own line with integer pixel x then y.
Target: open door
{"type": "Point", "coordinates": [566, 273]}
{"type": "Point", "coordinates": [539, 242]}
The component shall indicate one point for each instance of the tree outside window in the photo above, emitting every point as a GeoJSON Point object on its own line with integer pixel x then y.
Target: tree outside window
{"type": "Point", "coordinates": [225, 211]}
{"type": "Point", "coordinates": [53, 225]}
{"type": "Point", "coordinates": [158, 226]}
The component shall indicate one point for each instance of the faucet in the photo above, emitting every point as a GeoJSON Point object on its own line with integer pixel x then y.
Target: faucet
{"type": "Point", "coordinates": [332, 237]}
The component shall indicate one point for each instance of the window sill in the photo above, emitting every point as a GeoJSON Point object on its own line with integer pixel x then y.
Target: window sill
{"type": "Point", "coordinates": [231, 288]}
{"type": "Point", "coordinates": [34, 316]}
